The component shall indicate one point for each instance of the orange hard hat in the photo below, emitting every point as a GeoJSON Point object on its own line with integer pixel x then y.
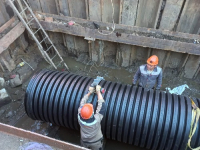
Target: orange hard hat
{"type": "Point", "coordinates": [153, 60]}
{"type": "Point", "coordinates": [87, 111]}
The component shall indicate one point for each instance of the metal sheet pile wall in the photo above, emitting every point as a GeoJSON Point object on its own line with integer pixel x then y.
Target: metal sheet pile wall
{"type": "Point", "coordinates": [150, 119]}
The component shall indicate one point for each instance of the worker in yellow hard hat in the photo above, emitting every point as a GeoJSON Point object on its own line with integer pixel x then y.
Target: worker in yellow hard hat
{"type": "Point", "coordinates": [149, 74]}
{"type": "Point", "coordinates": [90, 122]}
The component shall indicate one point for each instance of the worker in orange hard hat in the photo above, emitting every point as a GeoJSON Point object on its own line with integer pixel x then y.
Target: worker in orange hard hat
{"type": "Point", "coordinates": [149, 74]}
{"type": "Point", "coordinates": [90, 122]}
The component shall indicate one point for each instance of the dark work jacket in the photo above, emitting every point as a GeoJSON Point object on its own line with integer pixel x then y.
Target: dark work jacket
{"type": "Point", "coordinates": [148, 80]}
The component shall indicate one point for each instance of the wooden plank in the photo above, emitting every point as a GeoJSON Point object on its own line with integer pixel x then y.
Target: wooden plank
{"type": "Point", "coordinates": [191, 66]}
{"type": "Point", "coordinates": [131, 39]}
{"type": "Point", "coordinates": [59, 13]}
{"type": "Point", "coordinates": [64, 7]}
{"type": "Point", "coordinates": [95, 10]}
{"type": "Point", "coordinates": [79, 11]}
{"type": "Point", "coordinates": [107, 10]}
{"type": "Point", "coordinates": [128, 15]}
{"type": "Point", "coordinates": [166, 61]}
{"type": "Point", "coordinates": [21, 133]}
{"type": "Point", "coordinates": [132, 30]}
{"type": "Point", "coordinates": [170, 14]}
{"type": "Point", "coordinates": [11, 36]}
{"type": "Point", "coordinates": [126, 38]}
{"type": "Point", "coordinates": [35, 5]}
{"type": "Point", "coordinates": [9, 62]}
{"type": "Point", "coordinates": [96, 50]}
{"type": "Point", "coordinates": [197, 72]}
{"type": "Point", "coordinates": [68, 39]}
{"type": "Point", "coordinates": [87, 9]}
{"type": "Point", "coordinates": [109, 51]}
{"type": "Point", "coordinates": [4, 17]}
{"type": "Point", "coordinates": [129, 12]}
{"type": "Point", "coordinates": [77, 8]}
{"type": "Point", "coordinates": [7, 24]}
{"type": "Point", "coordinates": [191, 25]}
{"type": "Point", "coordinates": [2, 67]}
{"type": "Point", "coordinates": [48, 6]}
{"type": "Point", "coordinates": [190, 18]}
{"type": "Point", "coordinates": [147, 13]}
{"type": "Point", "coordinates": [123, 55]}
{"type": "Point", "coordinates": [110, 13]}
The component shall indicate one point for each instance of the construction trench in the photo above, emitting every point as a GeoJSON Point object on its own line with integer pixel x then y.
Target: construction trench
{"type": "Point", "coordinates": [92, 45]}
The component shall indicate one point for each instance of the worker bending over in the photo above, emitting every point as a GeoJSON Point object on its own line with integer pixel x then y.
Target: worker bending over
{"type": "Point", "coordinates": [149, 74]}
{"type": "Point", "coordinates": [90, 123]}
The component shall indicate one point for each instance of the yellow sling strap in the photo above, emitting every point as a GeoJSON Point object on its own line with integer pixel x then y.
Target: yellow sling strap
{"type": "Point", "coordinates": [195, 118]}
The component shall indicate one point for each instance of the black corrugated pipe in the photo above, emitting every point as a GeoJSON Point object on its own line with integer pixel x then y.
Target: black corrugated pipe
{"type": "Point", "coordinates": [151, 119]}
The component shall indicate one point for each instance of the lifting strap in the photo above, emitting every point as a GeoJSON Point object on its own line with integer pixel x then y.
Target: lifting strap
{"type": "Point", "coordinates": [195, 118]}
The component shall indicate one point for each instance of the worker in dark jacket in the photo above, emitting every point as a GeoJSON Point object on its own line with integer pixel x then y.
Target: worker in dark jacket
{"type": "Point", "coordinates": [90, 122]}
{"type": "Point", "coordinates": [149, 74]}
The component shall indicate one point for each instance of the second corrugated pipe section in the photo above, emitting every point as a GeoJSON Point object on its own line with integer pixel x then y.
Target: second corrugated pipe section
{"type": "Point", "coordinates": [152, 119]}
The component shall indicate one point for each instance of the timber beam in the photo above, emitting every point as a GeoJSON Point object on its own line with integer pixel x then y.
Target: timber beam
{"type": "Point", "coordinates": [20, 133]}
{"type": "Point", "coordinates": [7, 24]}
{"type": "Point", "coordinates": [11, 36]}
{"type": "Point", "coordinates": [132, 35]}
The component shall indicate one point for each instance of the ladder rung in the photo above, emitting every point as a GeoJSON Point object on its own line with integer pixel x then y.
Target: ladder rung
{"type": "Point", "coordinates": [27, 22]}
{"type": "Point", "coordinates": [49, 48]}
{"type": "Point", "coordinates": [43, 40]}
{"type": "Point", "coordinates": [37, 31]}
{"type": "Point", "coordinates": [23, 10]}
{"type": "Point", "coordinates": [60, 62]}
{"type": "Point", "coordinates": [53, 56]}
{"type": "Point", "coordinates": [30, 21]}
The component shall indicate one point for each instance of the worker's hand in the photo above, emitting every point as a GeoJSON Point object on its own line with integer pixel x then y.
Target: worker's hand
{"type": "Point", "coordinates": [91, 89]}
{"type": "Point", "coordinates": [98, 88]}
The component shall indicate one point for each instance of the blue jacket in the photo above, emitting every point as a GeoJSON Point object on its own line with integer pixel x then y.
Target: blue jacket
{"type": "Point", "coordinates": [147, 80]}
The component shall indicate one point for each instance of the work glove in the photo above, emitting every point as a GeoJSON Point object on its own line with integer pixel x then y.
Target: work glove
{"type": "Point", "coordinates": [98, 88]}
{"type": "Point", "coordinates": [91, 89]}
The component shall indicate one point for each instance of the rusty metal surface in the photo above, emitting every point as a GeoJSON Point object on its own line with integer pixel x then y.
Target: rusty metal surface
{"type": "Point", "coordinates": [38, 137]}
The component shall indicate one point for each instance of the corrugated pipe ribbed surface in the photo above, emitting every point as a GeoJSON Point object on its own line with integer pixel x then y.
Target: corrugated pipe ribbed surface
{"type": "Point", "coordinates": [151, 119]}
